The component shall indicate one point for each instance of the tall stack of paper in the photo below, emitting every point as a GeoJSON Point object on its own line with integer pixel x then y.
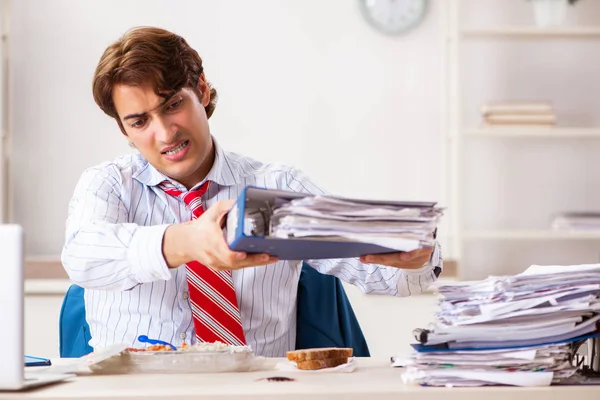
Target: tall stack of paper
{"type": "Point", "coordinates": [515, 330]}
{"type": "Point", "coordinates": [403, 226]}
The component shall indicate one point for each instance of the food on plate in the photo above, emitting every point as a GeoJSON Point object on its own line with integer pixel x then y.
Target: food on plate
{"type": "Point", "coordinates": [313, 359]}
{"type": "Point", "coordinates": [204, 347]}
{"type": "Point", "coordinates": [201, 357]}
{"type": "Point", "coordinates": [155, 347]}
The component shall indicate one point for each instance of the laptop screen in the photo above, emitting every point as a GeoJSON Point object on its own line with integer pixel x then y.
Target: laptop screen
{"type": "Point", "coordinates": [11, 311]}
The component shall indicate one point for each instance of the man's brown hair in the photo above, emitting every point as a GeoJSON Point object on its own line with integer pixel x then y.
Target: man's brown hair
{"type": "Point", "coordinates": [148, 56]}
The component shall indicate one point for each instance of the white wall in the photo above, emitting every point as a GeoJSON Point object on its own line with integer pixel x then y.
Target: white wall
{"type": "Point", "coordinates": [309, 83]}
{"type": "Point", "coordinates": [306, 83]}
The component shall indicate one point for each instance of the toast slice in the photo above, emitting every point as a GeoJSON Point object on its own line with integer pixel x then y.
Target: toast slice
{"type": "Point", "coordinates": [320, 364]}
{"type": "Point", "coordinates": [319, 354]}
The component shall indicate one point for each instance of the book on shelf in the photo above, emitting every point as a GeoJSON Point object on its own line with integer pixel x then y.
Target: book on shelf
{"type": "Point", "coordinates": [541, 120]}
{"type": "Point", "coordinates": [518, 113]}
{"type": "Point", "coordinates": [517, 108]}
{"type": "Point", "coordinates": [580, 221]}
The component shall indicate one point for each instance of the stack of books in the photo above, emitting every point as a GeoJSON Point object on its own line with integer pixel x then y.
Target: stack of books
{"type": "Point", "coordinates": [511, 113]}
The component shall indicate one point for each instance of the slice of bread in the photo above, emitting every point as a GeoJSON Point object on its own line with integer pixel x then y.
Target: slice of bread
{"type": "Point", "coordinates": [319, 354]}
{"type": "Point", "coordinates": [320, 364]}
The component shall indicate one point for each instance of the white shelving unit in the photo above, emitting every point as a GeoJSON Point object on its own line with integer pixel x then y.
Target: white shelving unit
{"type": "Point", "coordinates": [458, 134]}
{"type": "Point", "coordinates": [5, 187]}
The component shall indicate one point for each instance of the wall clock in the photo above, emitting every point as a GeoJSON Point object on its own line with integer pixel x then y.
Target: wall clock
{"type": "Point", "coordinates": [393, 17]}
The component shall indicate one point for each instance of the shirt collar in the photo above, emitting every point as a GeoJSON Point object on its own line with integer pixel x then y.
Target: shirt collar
{"type": "Point", "coordinates": [221, 172]}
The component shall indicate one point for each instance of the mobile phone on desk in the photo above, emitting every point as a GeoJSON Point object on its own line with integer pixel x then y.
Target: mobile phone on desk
{"type": "Point", "coordinates": [31, 361]}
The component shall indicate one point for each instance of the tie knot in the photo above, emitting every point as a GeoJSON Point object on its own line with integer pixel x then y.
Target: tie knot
{"type": "Point", "coordinates": [192, 198]}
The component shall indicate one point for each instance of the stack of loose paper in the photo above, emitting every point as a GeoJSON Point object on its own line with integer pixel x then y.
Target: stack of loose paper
{"type": "Point", "coordinates": [528, 366]}
{"type": "Point", "coordinates": [530, 113]}
{"type": "Point", "coordinates": [515, 330]}
{"type": "Point", "coordinates": [404, 226]}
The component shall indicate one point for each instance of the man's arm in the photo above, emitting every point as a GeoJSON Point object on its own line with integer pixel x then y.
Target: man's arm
{"type": "Point", "coordinates": [380, 279]}
{"type": "Point", "coordinates": [102, 249]}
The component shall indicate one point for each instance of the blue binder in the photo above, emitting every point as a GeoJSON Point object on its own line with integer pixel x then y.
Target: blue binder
{"type": "Point", "coordinates": [241, 237]}
{"type": "Point", "coordinates": [443, 347]}
{"type": "Point", "coordinates": [31, 361]}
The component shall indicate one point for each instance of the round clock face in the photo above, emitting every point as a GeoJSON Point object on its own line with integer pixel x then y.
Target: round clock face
{"type": "Point", "coordinates": [393, 16]}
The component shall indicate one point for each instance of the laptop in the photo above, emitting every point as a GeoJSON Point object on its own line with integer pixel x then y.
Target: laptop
{"type": "Point", "coordinates": [13, 374]}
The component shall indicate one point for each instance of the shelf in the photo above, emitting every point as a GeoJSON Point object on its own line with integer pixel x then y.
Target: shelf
{"type": "Point", "coordinates": [557, 132]}
{"type": "Point", "coordinates": [542, 234]}
{"type": "Point", "coordinates": [533, 32]}
{"type": "Point", "coordinates": [463, 133]}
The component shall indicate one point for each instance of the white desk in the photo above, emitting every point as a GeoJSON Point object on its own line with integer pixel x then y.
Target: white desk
{"type": "Point", "coordinates": [374, 379]}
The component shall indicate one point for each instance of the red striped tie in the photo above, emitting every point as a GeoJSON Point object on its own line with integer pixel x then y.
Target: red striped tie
{"type": "Point", "coordinates": [212, 296]}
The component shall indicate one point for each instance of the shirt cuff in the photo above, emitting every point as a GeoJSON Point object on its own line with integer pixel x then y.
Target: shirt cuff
{"type": "Point", "coordinates": [419, 271]}
{"type": "Point", "coordinates": [145, 254]}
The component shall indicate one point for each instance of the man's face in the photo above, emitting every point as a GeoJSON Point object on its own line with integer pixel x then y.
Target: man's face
{"type": "Point", "coordinates": [173, 134]}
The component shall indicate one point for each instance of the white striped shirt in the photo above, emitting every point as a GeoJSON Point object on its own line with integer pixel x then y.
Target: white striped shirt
{"type": "Point", "coordinates": [117, 218]}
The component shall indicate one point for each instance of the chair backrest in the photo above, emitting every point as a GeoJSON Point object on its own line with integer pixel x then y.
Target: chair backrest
{"type": "Point", "coordinates": [74, 331]}
{"type": "Point", "coordinates": [325, 318]}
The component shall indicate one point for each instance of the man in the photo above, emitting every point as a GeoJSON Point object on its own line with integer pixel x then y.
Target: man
{"type": "Point", "coordinates": [130, 228]}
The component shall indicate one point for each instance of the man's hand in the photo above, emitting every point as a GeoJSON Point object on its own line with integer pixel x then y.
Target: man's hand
{"type": "Point", "coordinates": [202, 240]}
{"type": "Point", "coordinates": [405, 260]}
